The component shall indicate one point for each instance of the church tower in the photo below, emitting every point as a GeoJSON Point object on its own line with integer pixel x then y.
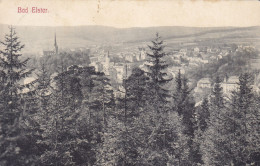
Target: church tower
{"type": "Point", "coordinates": [56, 45]}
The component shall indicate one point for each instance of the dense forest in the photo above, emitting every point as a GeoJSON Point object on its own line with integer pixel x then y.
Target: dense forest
{"type": "Point", "coordinates": [74, 118]}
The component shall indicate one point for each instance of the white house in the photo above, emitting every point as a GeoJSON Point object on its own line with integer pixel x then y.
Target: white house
{"type": "Point", "coordinates": [120, 70]}
{"type": "Point", "coordinates": [204, 83]}
{"type": "Point", "coordinates": [129, 57]}
{"type": "Point", "coordinates": [196, 49]}
{"type": "Point", "coordinates": [230, 84]}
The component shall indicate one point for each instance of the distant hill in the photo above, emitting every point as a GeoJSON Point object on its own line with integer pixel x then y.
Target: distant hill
{"type": "Point", "coordinates": [37, 38]}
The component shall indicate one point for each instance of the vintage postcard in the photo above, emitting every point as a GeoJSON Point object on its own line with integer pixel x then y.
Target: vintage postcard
{"type": "Point", "coordinates": [129, 83]}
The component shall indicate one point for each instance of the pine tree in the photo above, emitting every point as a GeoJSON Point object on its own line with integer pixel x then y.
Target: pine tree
{"type": "Point", "coordinates": [60, 129]}
{"type": "Point", "coordinates": [188, 109]}
{"type": "Point", "coordinates": [118, 146]}
{"type": "Point", "coordinates": [242, 121]}
{"type": "Point", "coordinates": [203, 115]}
{"type": "Point", "coordinates": [160, 138]}
{"type": "Point", "coordinates": [178, 81]}
{"type": "Point", "coordinates": [213, 141]}
{"type": "Point", "coordinates": [96, 98]}
{"type": "Point", "coordinates": [216, 98]}
{"type": "Point", "coordinates": [31, 123]}
{"type": "Point", "coordinates": [13, 71]}
{"type": "Point", "coordinates": [177, 95]}
{"type": "Point", "coordinates": [202, 123]}
{"type": "Point", "coordinates": [39, 112]}
{"type": "Point", "coordinates": [231, 137]}
{"type": "Point", "coordinates": [156, 68]}
{"type": "Point", "coordinates": [136, 88]}
{"type": "Point", "coordinates": [43, 88]}
{"type": "Point", "coordinates": [73, 87]}
{"type": "Point", "coordinates": [184, 104]}
{"type": "Point", "coordinates": [102, 97]}
{"type": "Point", "coordinates": [117, 134]}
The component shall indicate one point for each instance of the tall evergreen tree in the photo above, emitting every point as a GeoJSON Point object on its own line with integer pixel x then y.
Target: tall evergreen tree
{"type": "Point", "coordinates": [59, 130]}
{"type": "Point", "coordinates": [202, 122]}
{"type": "Point", "coordinates": [157, 66]}
{"type": "Point", "coordinates": [214, 130]}
{"type": "Point", "coordinates": [243, 122]}
{"type": "Point", "coordinates": [231, 136]}
{"type": "Point", "coordinates": [120, 129]}
{"type": "Point", "coordinates": [188, 106]}
{"type": "Point", "coordinates": [93, 112]}
{"type": "Point", "coordinates": [216, 98]}
{"type": "Point", "coordinates": [203, 115]}
{"type": "Point", "coordinates": [136, 87]}
{"type": "Point", "coordinates": [43, 88]}
{"type": "Point", "coordinates": [160, 138]}
{"type": "Point", "coordinates": [36, 106]}
{"type": "Point", "coordinates": [184, 104]}
{"type": "Point", "coordinates": [12, 72]}
{"type": "Point", "coordinates": [177, 94]}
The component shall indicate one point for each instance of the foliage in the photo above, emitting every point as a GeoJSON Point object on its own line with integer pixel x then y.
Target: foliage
{"type": "Point", "coordinates": [231, 136]}
{"type": "Point", "coordinates": [69, 115]}
{"type": "Point", "coordinates": [156, 66]}
{"type": "Point", "coordinates": [12, 72]}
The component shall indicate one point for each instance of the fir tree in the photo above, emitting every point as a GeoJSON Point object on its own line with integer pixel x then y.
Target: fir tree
{"type": "Point", "coordinates": [184, 105]}
{"type": "Point", "coordinates": [136, 87]}
{"type": "Point", "coordinates": [13, 71]}
{"type": "Point", "coordinates": [177, 94]}
{"type": "Point", "coordinates": [157, 68]}
{"type": "Point", "coordinates": [231, 136]}
{"type": "Point", "coordinates": [217, 94]}
{"type": "Point", "coordinates": [188, 112]}
{"type": "Point", "coordinates": [118, 146]}
{"type": "Point", "coordinates": [202, 122]}
{"type": "Point", "coordinates": [60, 129]}
{"type": "Point", "coordinates": [43, 88]}
{"type": "Point", "coordinates": [96, 97]}
{"type": "Point", "coordinates": [160, 138]}
{"type": "Point", "coordinates": [242, 115]}
{"type": "Point", "coordinates": [203, 115]}
{"type": "Point", "coordinates": [215, 129]}
{"type": "Point", "coordinates": [102, 97]}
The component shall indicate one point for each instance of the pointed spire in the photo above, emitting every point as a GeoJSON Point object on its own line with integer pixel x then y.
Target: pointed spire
{"type": "Point", "coordinates": [55, 43]}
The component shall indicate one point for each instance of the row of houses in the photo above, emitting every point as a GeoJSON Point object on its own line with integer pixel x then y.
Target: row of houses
{"type": "Point", "coordinates": [228, 85]}
{"type": "Point", "coordinates": [135, 56]}
{"type": "Point", "coordinates": [116, 71]}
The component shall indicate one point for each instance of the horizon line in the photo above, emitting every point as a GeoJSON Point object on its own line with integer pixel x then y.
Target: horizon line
{"type": "Point", "coordinates": [230, 26]}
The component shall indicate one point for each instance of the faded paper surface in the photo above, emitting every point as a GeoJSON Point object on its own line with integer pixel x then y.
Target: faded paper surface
{"type": "Point", "coordinates": [133, 13]}
{"type": "Point", "coordinates": [105, 65]}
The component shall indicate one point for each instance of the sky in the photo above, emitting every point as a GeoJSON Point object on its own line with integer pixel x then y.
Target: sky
{"type": "Point", "coordinates": [133, 13]}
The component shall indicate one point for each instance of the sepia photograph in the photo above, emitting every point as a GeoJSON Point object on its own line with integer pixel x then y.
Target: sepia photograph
{"type": "Point", "coordinates": [130, 83]}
